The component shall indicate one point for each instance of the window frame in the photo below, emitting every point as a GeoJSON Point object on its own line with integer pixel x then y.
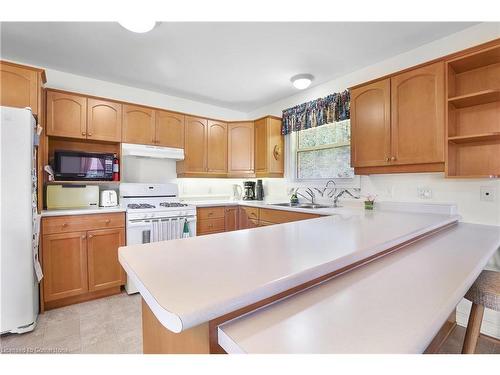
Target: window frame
{"type": "Point", "coordinates": [292, 167]}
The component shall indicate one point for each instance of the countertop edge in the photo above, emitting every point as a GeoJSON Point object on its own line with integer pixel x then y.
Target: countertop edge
{"type": "Point", "coordinates": [178, 323]}
{"type": "Point", "coordinates": [232, 347]}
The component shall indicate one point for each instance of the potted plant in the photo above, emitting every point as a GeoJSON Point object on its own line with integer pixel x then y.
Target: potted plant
{"type": "Point", "coordinates": [370, 201]}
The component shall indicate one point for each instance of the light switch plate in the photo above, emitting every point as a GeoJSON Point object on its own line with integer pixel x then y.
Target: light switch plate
{"type": "Point", "coordinates": [424, 192]}
{"type": "Point", "coordinates": [487, 193]}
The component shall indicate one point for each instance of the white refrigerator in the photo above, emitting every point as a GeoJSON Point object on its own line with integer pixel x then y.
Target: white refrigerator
{"type": "Point", "coordinates": [19, 221]}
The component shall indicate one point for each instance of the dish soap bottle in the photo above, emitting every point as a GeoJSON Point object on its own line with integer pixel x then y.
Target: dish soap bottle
{"type": "Point", "coordinates": [294, 199]}
{"type": "Point", "coordinates": [185, 229]}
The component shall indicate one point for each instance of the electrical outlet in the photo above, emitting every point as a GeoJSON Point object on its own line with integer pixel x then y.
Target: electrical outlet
{"type": "Point", "coordinates": [487, 193]}
{"type": "Point", "coordinates": [424, 192]}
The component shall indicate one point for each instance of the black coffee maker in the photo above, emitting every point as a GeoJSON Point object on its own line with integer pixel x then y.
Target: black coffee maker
{"type": "Point", "coordinates": [248, 190]}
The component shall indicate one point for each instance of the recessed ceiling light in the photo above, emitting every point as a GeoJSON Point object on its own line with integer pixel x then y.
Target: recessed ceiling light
{"type": "Point", "coordinates": [138, 26]}
{"type": "Point", "coordinates": [302, 81]}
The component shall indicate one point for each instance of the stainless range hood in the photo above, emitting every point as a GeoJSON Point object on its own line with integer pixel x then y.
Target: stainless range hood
{"type": "Point", "coordinates": [147, 151]}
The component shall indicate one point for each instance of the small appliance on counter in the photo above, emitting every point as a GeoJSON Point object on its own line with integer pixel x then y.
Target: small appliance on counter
{"type": "Point", "coordinates": [108, 198]}
{"type": "Point", "coordinates": [259, 191]}
{"type": "Point", "coordinates": [248, 190]}
{"type": "Point", "coordinates": [81, 166]}
{"type": "Point", "coordinates": [237, 192]}
{"type": "Point", "coordinates": [72, 196]}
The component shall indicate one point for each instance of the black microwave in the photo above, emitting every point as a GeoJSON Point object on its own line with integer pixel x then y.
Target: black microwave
{"type": "Point", "coordinates": [81, 166]}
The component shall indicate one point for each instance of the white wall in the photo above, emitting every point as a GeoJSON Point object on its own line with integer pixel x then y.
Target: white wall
{"type": "Point", "coordinates": [71, 82]}
{"type": "Point", "coordinates": [57, 79]}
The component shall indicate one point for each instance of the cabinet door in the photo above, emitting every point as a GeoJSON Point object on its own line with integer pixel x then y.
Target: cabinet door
{"type": "Point", "coordinates": [195, 151]}
{"type": "Point", "coordinates": [138, 125]}
{"type": "Point", "coordinates": [169, 129]}
{"type": "Point", "coordinates": [18, 87]}
{"type": "Point", "coordinates": [231, 218]}
{"type": "Point", "coordinates": [248, 217]}
{"type": "Point", "coordinates": [371, 124]}
{"type": "Point", "coordinates": [269, 144]}
{"type": "Point", "coordinates": [241, 149]}
{"type": "Point", "coordinates": [417, 108]}
{"type": "Point", "coordinates": [104, 269]}
{"type": "Point", "coordinates": [276, 147]}
{"type": "Point", "coordinates": [64, 265]}
{"type": "Point", "coordinates": [261, 148]}
{"type": "Point", "coordinates": [217, 147]}
{"type": "Point", "coordinates": [66, 115]}
{"type": "Point", "coordinates": [104, 120]}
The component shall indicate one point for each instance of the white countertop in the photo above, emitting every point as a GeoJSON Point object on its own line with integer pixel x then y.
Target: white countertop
{"type": "Point", "coordinates": [82, 211]}
{"type": "Point", "coordinates": [348, 207]}
{"type": "Point", "coordinates": [396, 304]}
{"type": "Point", "coordinates": [191, 281]}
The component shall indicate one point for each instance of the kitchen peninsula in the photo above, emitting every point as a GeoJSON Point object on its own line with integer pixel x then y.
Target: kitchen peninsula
{"type": "Point", "coordinates": [192, 286]}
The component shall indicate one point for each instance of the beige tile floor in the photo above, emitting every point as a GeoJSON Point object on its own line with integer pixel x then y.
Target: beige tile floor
{"type": "Point", "coordinates": [113, 325]}
{"type": "Point", "coordinates": [107, 325]}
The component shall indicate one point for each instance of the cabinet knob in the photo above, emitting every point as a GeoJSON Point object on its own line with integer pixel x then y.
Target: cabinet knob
{"type": "Point", "coordinates": [83, 133]}
{"type": "Point", "coordinates": [276, 152]}
{"type": "Point", "coordinates": [91, 235]}
{"type": "Point", "coordinates": [210, 213]}
{"type": "Point", "coordinates": [387, 159]}
{"type": "Point", "coordinates": [89, 134]}
{"type": "Point", "coordinates": [393, 158]}
{"type": "Point", "coordinates": [108, 221]}
{"type": "Point", "coordinates": [83, 237]}
{"type": "Point", "coordinates": [65, 225]}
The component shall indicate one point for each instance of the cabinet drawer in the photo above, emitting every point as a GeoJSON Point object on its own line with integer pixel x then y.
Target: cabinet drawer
{"type": "Point", "coordinates": [210, 226]}
{"type": "Point", "coordinates": [282, 216]}
{"type": "Point", "coordinates": [210, 213]}
{"type": "Point", "coordinates": [75, 223]}
{"type": "Point", "coordinates": [251, 212]}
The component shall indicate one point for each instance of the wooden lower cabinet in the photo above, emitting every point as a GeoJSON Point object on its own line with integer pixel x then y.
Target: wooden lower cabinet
{"type": "Point", "coordinates": [231, 216]}
{"type": "Point", "coordinates": [64, 265]}
{"type": "Point", "coordinates": [103, 267]}
{"type": "Point", "coordinates": [81, 265]}
{"type": "Point", "coordinates": [226, 219]}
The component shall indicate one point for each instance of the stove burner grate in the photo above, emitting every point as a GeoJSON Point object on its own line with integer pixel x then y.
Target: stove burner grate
{"type": "Point", "coordinates": [172, 204]}
{"type": "Point", "coordinates": [141, 205]}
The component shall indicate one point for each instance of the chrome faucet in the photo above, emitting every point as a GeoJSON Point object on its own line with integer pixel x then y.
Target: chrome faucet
{"type": "Point", "coordinates": [310, 193]}
{"type": "Point", "coordinates": [338, 195]}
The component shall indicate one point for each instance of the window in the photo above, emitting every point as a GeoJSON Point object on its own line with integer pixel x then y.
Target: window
{"type": "Point", "coordinates": [323, 152]}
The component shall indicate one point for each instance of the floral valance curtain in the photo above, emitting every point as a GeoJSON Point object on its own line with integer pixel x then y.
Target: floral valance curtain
{"type": "Point", "coordinates": [334, 107]}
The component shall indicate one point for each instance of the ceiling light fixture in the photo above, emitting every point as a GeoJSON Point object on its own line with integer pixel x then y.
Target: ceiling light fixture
{"type": "Point", "coordinates": [138, 26]}
{"type": "Point", "coordinates": [302, 81]}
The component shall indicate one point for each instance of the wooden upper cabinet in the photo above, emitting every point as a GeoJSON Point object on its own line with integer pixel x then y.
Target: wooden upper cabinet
{"type": "Point", "coordinates": [169, 129]}
{"type": "Point", "coordinates": [195, 145]}
{"type": "Point", "coordinates": [64, 259]}
{"type": "Point", "coordinates": [418, 101]}
{"type": "Point", "coordinates": [138, 125]}
{"type": "Point", "coordinates": [66, 115]}
{"type": "Point", "coordinates": [104, 270]}
{"type": "Point", "coordinates": [240, 142]}
{"type": "Point", "coordinates": [104, 120]}
{"type": "Point", "coordinates": [18, 86]}
{"type": "Point", "coordinates": [269, 148]}
{"type": "Point", "coordinates": [217, 147]}
{"type": "Point", "coordinates": [371, 124]}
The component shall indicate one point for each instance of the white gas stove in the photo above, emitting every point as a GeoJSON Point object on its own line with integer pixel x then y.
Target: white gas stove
{"type": "Point", "coordinates": [154, 213]}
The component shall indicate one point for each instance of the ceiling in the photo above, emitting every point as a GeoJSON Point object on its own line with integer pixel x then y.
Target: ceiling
{"type": "Point", "coordinates": [241, 66]}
